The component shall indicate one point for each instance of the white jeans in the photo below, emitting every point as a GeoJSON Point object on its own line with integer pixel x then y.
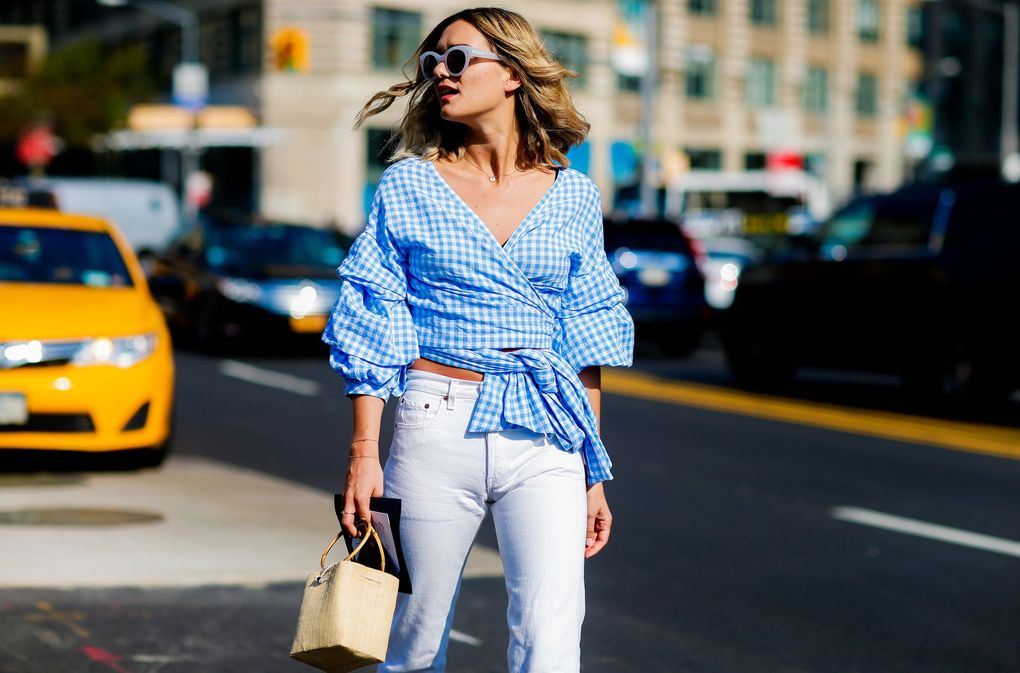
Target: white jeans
{"type": "Point", "coordinates": [448, 478]}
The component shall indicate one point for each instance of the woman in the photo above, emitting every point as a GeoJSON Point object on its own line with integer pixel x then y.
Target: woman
{"type": "Point", "coordinates": [481, 296]}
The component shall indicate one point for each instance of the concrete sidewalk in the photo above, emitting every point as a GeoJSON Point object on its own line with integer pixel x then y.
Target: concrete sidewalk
{"type": "Point", "coordinates": [192, 522]}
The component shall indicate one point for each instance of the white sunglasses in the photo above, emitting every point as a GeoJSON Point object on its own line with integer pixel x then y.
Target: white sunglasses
{"type": "Point", "coordinates": [457, 60]}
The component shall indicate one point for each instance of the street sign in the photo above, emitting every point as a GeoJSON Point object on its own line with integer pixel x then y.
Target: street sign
{"type": "Point", "coordinates": [191, 85]}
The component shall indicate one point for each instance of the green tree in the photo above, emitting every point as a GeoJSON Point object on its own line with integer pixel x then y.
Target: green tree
{"type": "Point", "coordinates": [82, 90]}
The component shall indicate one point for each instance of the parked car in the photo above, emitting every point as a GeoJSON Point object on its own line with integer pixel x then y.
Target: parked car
{"type": "Point", "coordinates": [658, 267]}
{"type": "Point", "coordinates": [146, 212]}
{"type": "Point", "coordinates": [85, 356]}
{"type": "Point", "coordinates": [920, 282]}
{"type": "Point", "coordinates": [245, 282]}
{"type": "Point", "coordinates": [726, 257]}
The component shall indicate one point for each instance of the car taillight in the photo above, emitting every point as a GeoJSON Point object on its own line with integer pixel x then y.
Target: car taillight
{"type": "Point", "coordinates": [698, 251]}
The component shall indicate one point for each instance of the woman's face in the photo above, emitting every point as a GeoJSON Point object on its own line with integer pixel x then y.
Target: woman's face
{"type": "Point", "coordinates": [485, 86]}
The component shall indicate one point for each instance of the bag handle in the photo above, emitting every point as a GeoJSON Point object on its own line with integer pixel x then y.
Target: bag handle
{"type": "Point", "coordinates": [364, 539]}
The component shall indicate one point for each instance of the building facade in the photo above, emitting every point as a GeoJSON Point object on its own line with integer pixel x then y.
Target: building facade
{"type": "Point", "coordinates": [824, 80]}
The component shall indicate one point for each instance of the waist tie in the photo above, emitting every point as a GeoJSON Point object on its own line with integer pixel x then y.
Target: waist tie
{"type": "Point", "coordinates": [535, 389]}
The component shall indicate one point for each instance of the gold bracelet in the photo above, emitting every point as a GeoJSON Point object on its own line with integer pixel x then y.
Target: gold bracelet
{"type": "Point", "coordinates": [351, 455]}
{"type": "Point", "coordinates": [365, 439]}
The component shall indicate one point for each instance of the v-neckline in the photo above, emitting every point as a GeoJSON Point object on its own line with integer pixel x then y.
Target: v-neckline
{"type": "Point", "coordinates": [477, 218]}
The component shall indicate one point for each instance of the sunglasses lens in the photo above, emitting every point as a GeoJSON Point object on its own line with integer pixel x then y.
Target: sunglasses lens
{"type": "Point", "coordinates": [456, 61]}
{"type": "Point", "coordinates": [428, 66]}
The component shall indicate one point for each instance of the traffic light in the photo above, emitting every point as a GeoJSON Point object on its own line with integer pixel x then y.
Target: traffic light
{"type": "Point", "coordinates": [290, 50]}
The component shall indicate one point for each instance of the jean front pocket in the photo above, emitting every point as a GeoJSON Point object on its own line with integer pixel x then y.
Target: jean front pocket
{"type": "Point", "coordinates": [417, 409]}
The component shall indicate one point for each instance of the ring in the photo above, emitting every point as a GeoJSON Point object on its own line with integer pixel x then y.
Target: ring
{"type": "Point", "coordinates": [346, 513]}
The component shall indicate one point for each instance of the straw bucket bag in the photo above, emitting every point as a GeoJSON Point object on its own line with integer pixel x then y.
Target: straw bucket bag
{"type": "Point", "coordinates": [346, 613]}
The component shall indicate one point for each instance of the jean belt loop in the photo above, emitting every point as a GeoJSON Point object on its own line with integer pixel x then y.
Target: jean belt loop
{"type": "Point", "coordinates": [451, 393]}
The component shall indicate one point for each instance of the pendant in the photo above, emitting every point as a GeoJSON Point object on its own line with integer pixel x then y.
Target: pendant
{"type": "Point", "coordinates": [492, 178]}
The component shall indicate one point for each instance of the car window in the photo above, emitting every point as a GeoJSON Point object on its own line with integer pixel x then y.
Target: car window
{"type": "Point", "coordinates": [251, 251]}
{"type": "Point", "coordinates": [846, 228]}
{"type": "Point", "coordinates": [879, 224]}
{"type": "Point", "coordinates": [645, 234]}
{"type": "Point", "coordinates": [902, 223]}
{"type": "Point", "coordinates": [43, 255]}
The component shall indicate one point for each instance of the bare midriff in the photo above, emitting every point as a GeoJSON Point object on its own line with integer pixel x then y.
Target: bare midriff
{"type": "Point", "coordinates": [426, 365]}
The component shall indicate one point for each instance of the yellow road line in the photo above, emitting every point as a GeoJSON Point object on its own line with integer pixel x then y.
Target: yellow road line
{"type": "Point", "coordinates": [972, 437]}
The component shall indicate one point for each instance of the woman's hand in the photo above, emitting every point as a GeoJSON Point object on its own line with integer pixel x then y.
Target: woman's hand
{"type": "Point", "coordinates": [364, 474]}
{"type": "Point", "coordinates": [364, 480]}
{"type": "Point", "coordinates": [600, 521]}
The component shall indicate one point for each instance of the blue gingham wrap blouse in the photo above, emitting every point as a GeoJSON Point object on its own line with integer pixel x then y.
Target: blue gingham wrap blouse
{"type": "Point", "coordinates": [427, 278]}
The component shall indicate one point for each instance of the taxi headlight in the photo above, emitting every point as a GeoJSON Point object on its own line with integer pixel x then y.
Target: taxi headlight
{"type": "Point", "coordinates": [119, 352]}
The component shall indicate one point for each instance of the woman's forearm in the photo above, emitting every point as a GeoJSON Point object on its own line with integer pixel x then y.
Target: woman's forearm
{"type": "Point", "coordinates": [367, 422]}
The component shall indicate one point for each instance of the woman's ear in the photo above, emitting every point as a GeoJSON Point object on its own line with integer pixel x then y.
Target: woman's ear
{"type": "Point", "coordinates": [511, 81]}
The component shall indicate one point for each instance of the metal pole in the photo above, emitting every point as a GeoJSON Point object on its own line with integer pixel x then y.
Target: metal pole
{"type": "Point", "coordinates": [1010, 75]}
{"type": "Point", "coordinates": [649, 84]}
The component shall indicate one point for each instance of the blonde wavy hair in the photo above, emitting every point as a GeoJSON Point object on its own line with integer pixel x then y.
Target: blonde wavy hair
{"type": "Point", "coordinates": [548, 122]}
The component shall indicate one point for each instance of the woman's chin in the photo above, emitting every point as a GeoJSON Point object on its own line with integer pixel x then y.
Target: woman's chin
{"type": "Point", "coordinates": [448, 114]}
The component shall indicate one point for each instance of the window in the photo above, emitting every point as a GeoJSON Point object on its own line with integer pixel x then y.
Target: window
{"type": "Point", "coordinates": [867, 20]}
{"type": "Point", "coordinates": [915, 27]}
{"type": "Point", "coordinates": [628, 83]}
{"type": "Point", "coordinates": [704, 159]}
{"type": "Point", "coordinates": [248, 36]}
{"type": "Point", "coordinates": [867, 95]}
{"type": "Point", "coordinates": [64, 256]}
{"type": "Point", "coordinates": [699, 72]}
{"type": "Point", "coordinates": [755, 161]}
{"type": "Point", "coordinates": [816, 90]}
{"type": "Point", "coordinates": [13, 59]}
{"type": "Point", "coordinates": [395, 36]}
{"type": "Point", "coordinates": [818, 17]}
{"type": "Point", "coordinates": [760, 83]}
{"type": "Point", "coordinates": [571, 50]}
{"type": "Point", "coordinates": [763, 12]}
{"type": "Point", "coordinates": [379, 151]}
{"type": "Point", "coordinates": [702, 7]}
{"type": "Point", "coordinates": [814, 163]}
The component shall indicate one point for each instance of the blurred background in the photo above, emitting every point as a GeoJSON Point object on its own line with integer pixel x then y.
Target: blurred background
{"type": "Point", "coordinates": [810, 204]}
{"type": "Point", "coordinates": [836, 97]}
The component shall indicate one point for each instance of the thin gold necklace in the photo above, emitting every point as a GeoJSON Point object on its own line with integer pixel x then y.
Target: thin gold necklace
{"type": "Point", "coordinates": [492, 178]}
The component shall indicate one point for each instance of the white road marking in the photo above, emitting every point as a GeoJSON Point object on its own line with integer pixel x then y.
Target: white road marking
{"type": "Point", "coordinates": [464, 638]}
{"type": "Point", "coordinates": [267, 377]}
{"type": "Point", "coordinates": [899, 524]}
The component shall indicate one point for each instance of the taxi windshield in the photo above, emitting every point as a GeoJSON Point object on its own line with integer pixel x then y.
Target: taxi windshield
{"type": "Point", "coordinates": [60, 256]}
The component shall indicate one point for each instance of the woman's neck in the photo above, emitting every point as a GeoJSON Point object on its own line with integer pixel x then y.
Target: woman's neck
{"type": "Point", "coordinates": [494, 150]}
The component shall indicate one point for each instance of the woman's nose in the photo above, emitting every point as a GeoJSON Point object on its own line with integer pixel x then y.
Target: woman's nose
{"type": "Point", "coordinates": [445, 72]}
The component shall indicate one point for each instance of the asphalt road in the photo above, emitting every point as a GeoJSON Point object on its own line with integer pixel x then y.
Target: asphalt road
{"type": "Point", "coordinates": [740, 544]}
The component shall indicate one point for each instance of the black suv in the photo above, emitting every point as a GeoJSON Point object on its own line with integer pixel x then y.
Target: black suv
{"type": "Point", "coordinates": [918, 282]}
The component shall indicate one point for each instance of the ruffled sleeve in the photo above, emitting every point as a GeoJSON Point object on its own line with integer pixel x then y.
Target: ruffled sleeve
{"type": "Point", "coordinates": [370, 332]}
{"type": "Point", "coordinates": [593, 327]}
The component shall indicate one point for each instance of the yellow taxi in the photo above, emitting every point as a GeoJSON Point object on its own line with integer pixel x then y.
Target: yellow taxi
{"type": "Point", "coordinates": [85, 355]}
